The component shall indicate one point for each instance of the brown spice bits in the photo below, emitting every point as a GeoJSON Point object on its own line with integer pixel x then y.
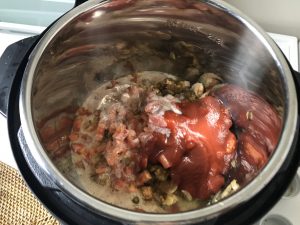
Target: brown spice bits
{"type": "Point", "coordinates": [147, 193]}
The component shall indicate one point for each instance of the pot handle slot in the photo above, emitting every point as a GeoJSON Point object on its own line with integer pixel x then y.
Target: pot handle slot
{"type": "Point", "coordinates": [10, 62]}
{"type": "Point", "coordinates": [38, 172]}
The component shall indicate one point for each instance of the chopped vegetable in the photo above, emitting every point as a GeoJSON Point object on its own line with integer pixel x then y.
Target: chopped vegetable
{"type": "Point", "coordinates": [143, 178]}
{"type": "Point", "coordinates": [187, 195]}
{"type": "Point", "coordinates": [169, 200]}
{"type": "Point", "coordinates": [209, 80]}
{"type": "Point", "coordinates": [160, 173]}
{"type": "Point", "coordinates": [147, 192]}
{"type": "Point", "coordinates": [198, 89]}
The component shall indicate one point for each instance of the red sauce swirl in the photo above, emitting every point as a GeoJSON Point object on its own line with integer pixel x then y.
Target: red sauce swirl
{"type": "Point", "coordinates": [198, 149]}
{"type": "Point", "coordinates": [258, 128]}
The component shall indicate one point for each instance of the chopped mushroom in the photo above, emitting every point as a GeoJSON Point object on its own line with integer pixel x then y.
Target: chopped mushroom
{"type": "Point", "coordinates": [169, 200]}
{"type": "Point", "coordinates": [209, 80]}
{"type": "Point", "coordinates": [160, 173]}
{"type": "Point", "coordinates": [187, 195]}
{"type": "Point", "coordinates": [167, 187]}
{"type": "Point", "coordinates": [230, 189]}
{"type": "Point", "coordinates": [198, 89]}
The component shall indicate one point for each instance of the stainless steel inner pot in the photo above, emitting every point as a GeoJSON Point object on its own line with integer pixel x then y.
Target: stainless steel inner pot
{"type": "Point", "coordinates": [102, 40]}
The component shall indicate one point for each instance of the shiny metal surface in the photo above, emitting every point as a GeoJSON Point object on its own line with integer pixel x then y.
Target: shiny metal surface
{"type": "Point", "coordinates": [96, 42]}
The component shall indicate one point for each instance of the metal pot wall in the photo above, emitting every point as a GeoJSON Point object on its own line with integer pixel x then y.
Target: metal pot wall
{"type": "Point", "coordinates": [95, 42]}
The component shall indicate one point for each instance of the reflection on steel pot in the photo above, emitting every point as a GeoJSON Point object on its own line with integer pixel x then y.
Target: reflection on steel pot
{"type": "Point", "coordinates": [101, 53]}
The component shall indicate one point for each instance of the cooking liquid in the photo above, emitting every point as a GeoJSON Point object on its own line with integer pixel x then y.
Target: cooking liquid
{"type": "Point", "coordinates": [97, 100]}
{"type": "Point", "coordinates": [191, 139]}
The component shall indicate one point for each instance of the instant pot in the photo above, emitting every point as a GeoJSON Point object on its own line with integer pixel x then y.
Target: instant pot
{"type": "Point", "coordinates": [46, 75]}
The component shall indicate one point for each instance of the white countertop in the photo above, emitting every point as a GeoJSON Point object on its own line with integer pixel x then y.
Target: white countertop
{"type": "Point", "coordinates": [287, 208]}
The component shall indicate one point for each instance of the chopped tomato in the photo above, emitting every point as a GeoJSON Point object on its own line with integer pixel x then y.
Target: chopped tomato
{"type": "Point", "coordinates": [74, 136]}
{"type": "Point", "coordinates": [132, 188]}
{"type": "Point", "coordinates": [101, 169]}
{"type": "Point", "coordinates": [143, 178]}
{"type": "Point", "coordinates": [77, 124]}
{"type": "Point", "coordinates": [119, 184]}
{"type": "Point", "coordinates": [83, 111]}
{"type": "Point", "coordinates": [78, 148]}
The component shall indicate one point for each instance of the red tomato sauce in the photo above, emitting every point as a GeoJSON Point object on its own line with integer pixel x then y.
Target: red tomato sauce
{"type": "Point", "coordinates": [198, 149]}
{"type": "Point", "coordinates": [258, 128]}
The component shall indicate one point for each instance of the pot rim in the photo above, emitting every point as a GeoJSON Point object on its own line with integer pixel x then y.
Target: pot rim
{"type": "Point", "coordinates": [209, 212]}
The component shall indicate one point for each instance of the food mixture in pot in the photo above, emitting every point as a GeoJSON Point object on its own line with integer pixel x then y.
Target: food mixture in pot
{"type": "Point", "coordinates": [151, 142]}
